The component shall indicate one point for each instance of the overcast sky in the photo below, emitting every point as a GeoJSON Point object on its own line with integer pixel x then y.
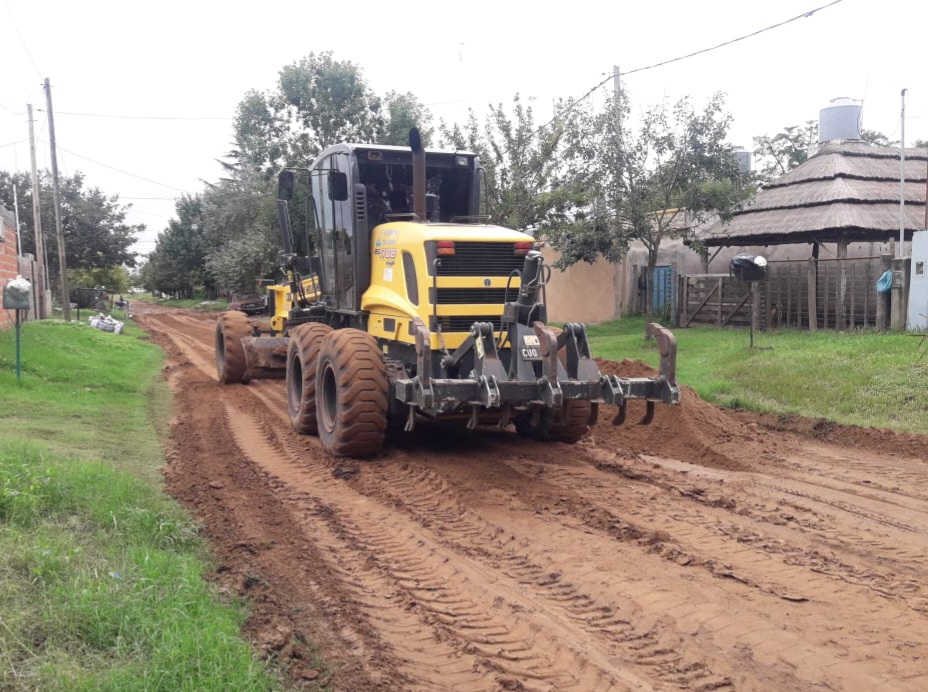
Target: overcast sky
{"type": "Point", "coordinates": [175, 71]}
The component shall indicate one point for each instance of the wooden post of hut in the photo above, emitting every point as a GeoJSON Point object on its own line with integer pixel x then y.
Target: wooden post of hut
{"type": "Point", "coordinates": [841, 307]}
{"type": "Point", "coordinates": [813, 298]}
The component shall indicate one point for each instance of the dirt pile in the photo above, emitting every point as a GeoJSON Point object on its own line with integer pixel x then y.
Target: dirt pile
{"type": "Point", "coordinates": [695, 430]}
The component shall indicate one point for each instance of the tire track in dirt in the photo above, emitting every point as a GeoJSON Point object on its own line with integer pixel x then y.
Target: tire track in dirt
{"type": "Point", "coordinates": [488, 621]}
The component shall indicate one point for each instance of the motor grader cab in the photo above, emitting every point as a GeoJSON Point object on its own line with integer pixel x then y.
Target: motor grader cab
{"type": "Point", "coordinates": [420, 308]}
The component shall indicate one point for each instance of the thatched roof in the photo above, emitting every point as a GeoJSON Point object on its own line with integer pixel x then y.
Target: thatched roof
{"type": "Point", "coordinates": [846, 190]}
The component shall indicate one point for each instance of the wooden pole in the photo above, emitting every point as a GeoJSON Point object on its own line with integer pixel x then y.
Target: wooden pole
{"type": "Point", "coordinates": [813, 308]}
{"type": "Point", "coordinates": [62, 259]}
{"type": "Point", "coordinates": [841, 307]}
{"type": "Point", "coordinates": [40, 255]}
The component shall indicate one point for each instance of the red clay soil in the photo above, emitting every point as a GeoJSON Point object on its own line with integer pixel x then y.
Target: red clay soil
{"type": "Point", "coordinates": [710, 550]}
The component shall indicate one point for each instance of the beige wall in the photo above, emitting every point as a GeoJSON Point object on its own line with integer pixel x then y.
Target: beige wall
{"type": "Point", "coordinates": [582, 293]}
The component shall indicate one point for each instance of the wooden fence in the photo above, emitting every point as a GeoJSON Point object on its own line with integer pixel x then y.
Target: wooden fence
{"type": "Point", "coordinates": [823, 293]}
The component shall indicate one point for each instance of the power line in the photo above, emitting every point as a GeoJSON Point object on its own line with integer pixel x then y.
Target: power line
{"type": "Point", "coordinates": [10, 110]}
{"type": "Point", "coordinates": [21, 39]}
{"type": "Point", "coordinates": [9, 144]}
{"type": "Point", "coordinates": [609, 78]}
{"type": "Point", "coordinates": [141, 117]}
{"type": "Point", "coordinates": [119, 170]}
{"type": "Point", "coordinates": [804, 15]}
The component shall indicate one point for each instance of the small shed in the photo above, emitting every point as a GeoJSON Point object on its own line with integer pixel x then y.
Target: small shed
{"type": "Point", "coordinates": [847, 192]}
{"type": "Point", "coordinates": [918, 288]}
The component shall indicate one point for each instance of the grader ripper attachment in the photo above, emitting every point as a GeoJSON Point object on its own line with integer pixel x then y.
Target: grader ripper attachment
{"type": "Point", "coordinates": [409, 305]}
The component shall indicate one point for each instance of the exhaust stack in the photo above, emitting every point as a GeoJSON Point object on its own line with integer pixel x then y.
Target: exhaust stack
{"type": "Point", "coordinates": [418, 174]}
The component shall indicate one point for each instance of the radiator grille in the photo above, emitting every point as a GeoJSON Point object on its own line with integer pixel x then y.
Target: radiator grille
{"type": "Point", "coordinates": [481, 259]}
{"type": "Point", "coordinates": [476, 296]}
{"type": "Point", "coordinates": [459, 323]}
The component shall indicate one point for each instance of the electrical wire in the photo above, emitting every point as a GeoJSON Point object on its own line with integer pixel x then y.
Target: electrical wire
{"type": "Point", "coordinates": [10, 110]}
{"type": "Point", "coordinates": [136, 117]}
{"type": "Point", "coordinates": [119, 170]}
{"type": "Point", "coordinates": [804, 15]}
{"type": "Point", "coordinates": [586, 95]}
{"type": "Point", "coordinates": [21, 39]}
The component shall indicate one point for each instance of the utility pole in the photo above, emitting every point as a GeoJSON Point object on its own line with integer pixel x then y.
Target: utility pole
{"type": "Point", "coordinates": [617, 108]}
{"type": "Point", "coordinates": [19, 242]}
{"type": "Point", "coordinates": [40, 255]}
{"type": "Point", "coordinates": [62, 260]}
{"type": "Point", "coordinates": [902, 176]}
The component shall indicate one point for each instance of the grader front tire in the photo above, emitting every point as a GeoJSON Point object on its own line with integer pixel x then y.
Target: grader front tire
{"type": "Point", "coordinates": [231, 328]}
{"type": "Point", "coordinates": [302, 359]}
{"type": "Point", "coordinates": [351, 394]}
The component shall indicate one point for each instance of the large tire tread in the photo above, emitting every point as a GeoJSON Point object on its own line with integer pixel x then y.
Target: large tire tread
{"type": "Point", "coordinates": [357, 369]}
{"type": "Point", "coordinates": [569, 424]}
{"type": "Point", "coordinates": [231, 328]}
{"type": "Point", "coordinates": [302, 359]}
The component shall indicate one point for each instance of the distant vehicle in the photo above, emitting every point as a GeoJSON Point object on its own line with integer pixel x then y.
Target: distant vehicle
{"type": "Point", "coordinates": [250, 304]}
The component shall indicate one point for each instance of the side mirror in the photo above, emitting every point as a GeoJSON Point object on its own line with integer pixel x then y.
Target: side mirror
{"type": "Point", "coordinates": [338, 186]}
{"type": "Point", "coordinates": [285, 185]}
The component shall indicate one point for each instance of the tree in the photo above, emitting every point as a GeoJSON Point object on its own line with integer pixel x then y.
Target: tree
{"type": "Point", "coordinates": [403, 113]}
{"type": "Point", "coordinates": [785, 150]}
{"type": "Point", "coordinates": [94, 226]}
{"type": "Point", "coordinates": [522, 162]}
{"type": "Point", "coordinates": [648, 183]}
{"type": "Point", "coordinates": [177, 265]}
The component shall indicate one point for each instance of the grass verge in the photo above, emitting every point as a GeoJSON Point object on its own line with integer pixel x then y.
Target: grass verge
{"type": "Point", "coordinates": [102, 582]}
{"type": "Point", "coordinates": [860, 378]}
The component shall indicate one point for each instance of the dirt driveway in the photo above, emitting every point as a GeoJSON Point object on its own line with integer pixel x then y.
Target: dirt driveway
{"type": "Point", "coordinates": [708, 551]}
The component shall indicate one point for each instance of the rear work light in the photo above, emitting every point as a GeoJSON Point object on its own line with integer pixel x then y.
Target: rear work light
{"type": "Point", "coordinates": [445, 247]}
{"type": "Point", "coordinates": [522, 249]}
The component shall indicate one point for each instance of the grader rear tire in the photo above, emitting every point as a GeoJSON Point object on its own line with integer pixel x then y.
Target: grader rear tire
{"type": "Point", "coordinates": [351, 394]}
{"type": "Point", "coordinates": [302, 358]}
{"type": "Point", "coordinates": [231, 328]}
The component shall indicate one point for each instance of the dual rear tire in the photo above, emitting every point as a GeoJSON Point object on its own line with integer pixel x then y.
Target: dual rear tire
{"type": "Point", "coordinates": [337, 388]}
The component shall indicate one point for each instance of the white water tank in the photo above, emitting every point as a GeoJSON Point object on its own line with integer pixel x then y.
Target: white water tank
{"type": "Point", "coordinates": [743, 158]}
{"type": "Point", "coordinates": [839, 120]}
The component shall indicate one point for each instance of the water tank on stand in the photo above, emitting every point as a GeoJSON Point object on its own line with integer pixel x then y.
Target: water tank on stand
{"type": "Point", "coordinates": [839, 120]}
{"type": "Point", "coordinates": [743, 158]}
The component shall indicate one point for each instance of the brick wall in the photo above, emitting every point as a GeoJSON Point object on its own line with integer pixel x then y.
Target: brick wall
{"type": "Point", "coordinates": [9, 259]}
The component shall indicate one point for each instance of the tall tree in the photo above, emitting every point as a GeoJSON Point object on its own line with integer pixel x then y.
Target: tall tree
{"type": "Point", "coordinates": [403, 112]}
{"type": "Point", "coordinates": [785, 150]}
{"type": "Point", "coordinates": [93, 223]}
{"type": "Point", "coordinates": [522, 161]}
{"type": "Point", "coordinates": [648, 183]}
{"type": "Point", "coordinates": [177, 265]}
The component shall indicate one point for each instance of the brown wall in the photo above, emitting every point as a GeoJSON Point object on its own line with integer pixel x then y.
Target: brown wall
{"type": "Point", "coordinates": [9, 259]}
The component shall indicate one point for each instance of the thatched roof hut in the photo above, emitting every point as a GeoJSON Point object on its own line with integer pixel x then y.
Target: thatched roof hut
{"type": "Point", "coordinates": [846, 192]}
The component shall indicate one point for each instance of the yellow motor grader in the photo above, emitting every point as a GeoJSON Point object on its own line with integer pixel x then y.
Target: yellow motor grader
{"type": "Point", "coordinates": [413, 305]}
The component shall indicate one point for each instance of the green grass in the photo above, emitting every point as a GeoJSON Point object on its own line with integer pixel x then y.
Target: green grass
{"type": "Point", "coordinates": [102, 578]}
{"type": "Point", "coordinates": [198, 303]}
{"type": "Point", "coordinates": [858, 378]}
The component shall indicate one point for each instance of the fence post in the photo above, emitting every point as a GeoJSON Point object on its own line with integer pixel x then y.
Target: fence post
{"type": "Point", "coordinates": [813, 307]}
{"type": "Point", "coordinates": [841, 303]}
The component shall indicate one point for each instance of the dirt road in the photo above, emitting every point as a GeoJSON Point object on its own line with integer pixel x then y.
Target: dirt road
{"type": "Point", "coordinates": [707, 551]}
